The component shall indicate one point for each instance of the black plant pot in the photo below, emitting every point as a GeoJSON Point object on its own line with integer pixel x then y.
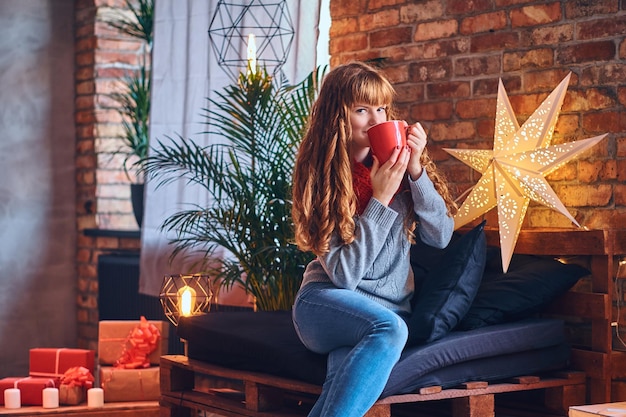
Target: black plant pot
{"type": "Point", "coordinates": [136, 198]}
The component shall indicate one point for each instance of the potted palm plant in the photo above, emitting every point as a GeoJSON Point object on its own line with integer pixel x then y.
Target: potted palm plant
{"type": "Point", "coordinates": [248, 178]}
{"type": "Point", "coordinates": [133, 98]}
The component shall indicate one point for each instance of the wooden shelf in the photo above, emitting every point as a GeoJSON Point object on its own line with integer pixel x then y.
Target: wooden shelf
{"type": "Point", "coordinates": [121, 409]}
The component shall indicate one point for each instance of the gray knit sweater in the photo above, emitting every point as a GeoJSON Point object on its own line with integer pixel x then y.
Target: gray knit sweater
{"type": "Point", "coordinates": [376, 264]}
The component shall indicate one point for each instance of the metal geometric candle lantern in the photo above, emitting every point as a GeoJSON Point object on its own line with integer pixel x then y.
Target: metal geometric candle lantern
{"type": "Point", "coordinates": [514, 172]}
{"type": "Point", "coordinates": [233, 23]}
{"type": "Point", "coordinates": [185, 295]}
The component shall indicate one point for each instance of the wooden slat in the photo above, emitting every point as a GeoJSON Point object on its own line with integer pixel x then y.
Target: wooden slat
{"type": "Point", "coordinates": [474, 406]}
{"type": "Point", "coordinates": [169, 361]}
{"type": "Point", "coordinates": [576, 379]}
{"type": "Point", "coordinates": [556, 242]}
{"type": "Point", "coordinates": [595, 364]}
{"type": "Point", "coordinates": [585, 305]}
{"type": "Point", "coordinates": [123, 409]}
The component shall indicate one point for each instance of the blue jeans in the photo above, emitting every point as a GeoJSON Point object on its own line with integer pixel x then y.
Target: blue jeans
{"type": "Point", "coordinates": [364, 341]}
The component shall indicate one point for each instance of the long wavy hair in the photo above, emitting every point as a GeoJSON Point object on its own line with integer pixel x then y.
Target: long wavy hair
{"type": "Point", "coordinates": [324, 200]}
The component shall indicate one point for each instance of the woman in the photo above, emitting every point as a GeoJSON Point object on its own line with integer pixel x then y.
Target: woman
{"type": "Point", "coordinates": [359, 216]}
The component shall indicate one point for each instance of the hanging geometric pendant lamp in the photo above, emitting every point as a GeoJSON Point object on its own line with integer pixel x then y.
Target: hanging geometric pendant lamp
{"type": "Point", "coordinates": [235, 21]}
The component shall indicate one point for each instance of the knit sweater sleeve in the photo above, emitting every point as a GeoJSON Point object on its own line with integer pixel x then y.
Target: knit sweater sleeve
{"type": "Point", "coordinates": [346, 264]}
{"type": "Point", "coordinates": [435, 226]}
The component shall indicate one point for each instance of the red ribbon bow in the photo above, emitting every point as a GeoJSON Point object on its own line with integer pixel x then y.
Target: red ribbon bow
{"type": "Point", "coordinates": [143, 340]}
{"type": "Point", "coordinates": [77, 376]}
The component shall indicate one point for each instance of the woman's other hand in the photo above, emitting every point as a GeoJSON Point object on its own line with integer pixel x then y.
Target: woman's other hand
{"type": "Point", "coordinates": [386, 178]}
{"type": "Point", "coordinates": [416, 140]}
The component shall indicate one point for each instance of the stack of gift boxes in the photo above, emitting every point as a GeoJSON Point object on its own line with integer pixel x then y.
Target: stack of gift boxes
{"type": "Point", "coordinates": [70, 371]}
{"type": "Point", "coordinates": [126, 369]}
{"type": "Point", "coordinates": [128, 357]}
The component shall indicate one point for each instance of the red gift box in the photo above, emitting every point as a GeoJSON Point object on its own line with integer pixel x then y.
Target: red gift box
{"type": "Point", "coordinates": [53, 362]}
{"type": "Point", "coordinates": [31, 389]}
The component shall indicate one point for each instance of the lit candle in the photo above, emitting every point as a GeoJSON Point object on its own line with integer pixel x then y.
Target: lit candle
{"type": "Point", "coordinates": [12, 398]}
{"type": "Point", "coordinates": [50, 398]}
{"type": "Point", "coordinates": [95, 398]}
{"type": "Point", "coordinates": [252, 53]}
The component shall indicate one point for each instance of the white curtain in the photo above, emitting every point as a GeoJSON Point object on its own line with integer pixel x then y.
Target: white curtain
{"type": "Point", "coordinates": [185, 74]}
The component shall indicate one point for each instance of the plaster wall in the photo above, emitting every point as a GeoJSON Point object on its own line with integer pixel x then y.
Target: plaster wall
{"type": "Point", "coordinates": [37, 191]}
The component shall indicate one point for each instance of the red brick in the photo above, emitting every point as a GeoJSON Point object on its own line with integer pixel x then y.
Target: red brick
{"type": "Point", "coordinates": [82, 117]}
{"type": "Point", "coordinates": [436, 30]}
{"type": "Point", "coordinates": [340, 27]}
{"type": "Point", "coordinates": [609, 170]}
{"type": "Point", "coordinates": [620, 145]}
{"type": "Point", "coordinates": [494, 42]}
{"type": "Point", "coordinates": [566, 125]}
{"type": "Point", "coordinates": [546, 80]}
{"type": "Point", "coordinates": [481, 65]}
{"type": "Point", "coordinates": [589, 171]}
{"type": "Point", "coordinates": [343, 8]}
{"type": "Point", "coordinates": [448, 89]}
{"type": "Point", "coordinates": [85, 59]}
{"type": "Point", "coordinates": [540, 216]}
{"type": "Point", "coordinates": [441, 110]}
{"type": "Point", "coordinates": [622, 49]}
{"type": "Point", "coordinates": [409, 93]}
{"type": "Point", "coordinates": [605, 122]}
{"type": "Point", "coordinates": [413, 12]}
{"type": "Point", "coordinates": [486, 128]}
{"type": "Point", "coordinates": [567, 172]}
{"type": "Point", "coordinates": [446, 47]}
{"type": "Point", "coordinates": [116, 57]}
{"type": "Point", "coordinates": [354, 42]}
{"type": "Point", "coordinates": [619, 194]}
{"type": "Point", "coordinates": [476, 108]}
{"type": "Point", "coordinates": [383, 19]}
{"type": "Point", "coordinates": [588, 99]}
{"type": "Point", "coordinates": [550, 35]}
{"type": "Point", "coordinates": [601, 28]}
{"type": "Point", "coordinates": [606, 219]}
{"type": "Point", "coordinates": [450, 131]}
{"type": "Point", "coordinates": [535, 58]}
{"type": "Point", "coordinates": [483, 23]}
{"type": "Point", "coordinates": [509, 3]}
{"type": "Point", "coordinates": [575, 9]}
{"type": "Point", "coordinates": [397, 74]}
{"type": "Point", "coordinates": [463, 7]}
{"type": "Point", "coordinates": [535, 15]}
{"type": "Point", "coordinates": [597, 195]}
{"type": "Point", "coordinates": [428, 71]}
{"type": "Point", "coordinates": [489, 86]}
{"type": "Point", "coordinates": [388, 37]}
{"type": "Point", "coordinates": [586, 52]}
{"type": "Point", "coordinates": [127, 44]}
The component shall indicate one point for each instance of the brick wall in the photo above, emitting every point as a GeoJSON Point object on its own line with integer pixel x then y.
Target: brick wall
{"type": "Point", "coordinates": [103, 193]}
{"type": "Point", "coordinates": [445, 59]}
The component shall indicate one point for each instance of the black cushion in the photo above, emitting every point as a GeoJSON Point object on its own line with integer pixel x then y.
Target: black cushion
{"type": "Point", "coordinates": [530, 284]}
{"type": "Point", "coordinates": [448, 288]}
{"type": "Point", "coordinates": [265, 341]}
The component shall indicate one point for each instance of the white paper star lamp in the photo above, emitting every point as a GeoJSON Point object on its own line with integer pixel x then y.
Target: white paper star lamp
{"type": "Point", "coordinates": [514, 172]}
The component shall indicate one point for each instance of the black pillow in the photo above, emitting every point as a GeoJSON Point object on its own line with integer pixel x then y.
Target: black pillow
{"type": "Point", "coordinates": [530, 284]}
{"type": "Point", "coordinates": [448, 288]}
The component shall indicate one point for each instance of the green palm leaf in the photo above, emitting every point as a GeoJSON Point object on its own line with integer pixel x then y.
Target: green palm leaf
{"type": "Point", "coordinates": [248, 176]}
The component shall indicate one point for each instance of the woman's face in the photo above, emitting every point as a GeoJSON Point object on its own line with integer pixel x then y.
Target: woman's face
{"type": "Point", "coordinates": [362, 117]}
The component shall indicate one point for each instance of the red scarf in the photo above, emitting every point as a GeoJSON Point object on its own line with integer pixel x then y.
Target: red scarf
{"type": "Point", "coordinates": [362, 184]}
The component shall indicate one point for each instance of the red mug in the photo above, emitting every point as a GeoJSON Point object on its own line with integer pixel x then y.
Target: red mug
{"type": "Point", "coordinates": [387, 136]}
